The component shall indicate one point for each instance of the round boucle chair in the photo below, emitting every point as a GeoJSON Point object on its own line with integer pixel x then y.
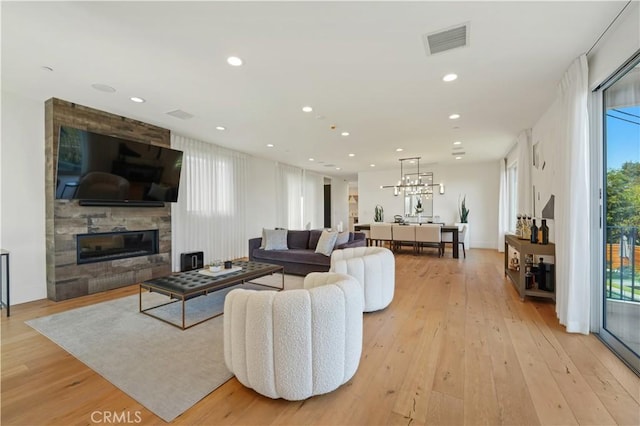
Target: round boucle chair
{"type": "Point", "coordinates": [295, 344]}
{"type": "Point", "coordinates": [375, 270]}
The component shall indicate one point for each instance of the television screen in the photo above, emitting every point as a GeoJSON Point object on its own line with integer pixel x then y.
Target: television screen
{"type": "Point", "coordinates": [97, 167]}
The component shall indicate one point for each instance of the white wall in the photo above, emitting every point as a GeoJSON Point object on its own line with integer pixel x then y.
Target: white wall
{"type": "Point", "coordinates": [619, 43]}
{"type": "Point", "coordinates": [478, 181]}
{"type": "Point", "coordinates": [22, 210]}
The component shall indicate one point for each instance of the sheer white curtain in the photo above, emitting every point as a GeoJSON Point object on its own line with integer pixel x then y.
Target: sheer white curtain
{"type": "Point", "coordinates": [289, 191]}
{"type": "Point", "coordinates": [313, 195]}
{"type": "Point", "coordinates": [210, 213]}
{"type": "Point", "coordinates": [572, 214]}
{"type": "Point", "coordinates": [525, 191]}
{"type": "Point", "coordinates": [503, 205]}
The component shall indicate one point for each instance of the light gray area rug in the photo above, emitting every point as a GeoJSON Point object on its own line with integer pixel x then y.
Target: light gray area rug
{"type": "Point", "coordinates": [164, 368]}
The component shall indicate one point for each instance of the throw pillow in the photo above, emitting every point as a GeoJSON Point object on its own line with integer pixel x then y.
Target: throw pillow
{"type": "Point", "coordinates": [276, 239]}
{"type": "Point", "coordinates": [343, 238]}
{"type": "Point", "coordinates": [263, 242]}
{"type": "Point", "coordinates": [326, 242]}
{"type": "Point", "coordinates": [314, 236]}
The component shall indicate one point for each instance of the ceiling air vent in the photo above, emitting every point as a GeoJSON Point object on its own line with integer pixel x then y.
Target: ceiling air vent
{"type": "Point", "coordinates": [443, 40]}
{"type": "Point", "coordinates": [183, 115]}
{"type": "Point", "coordinates": [458, 153]}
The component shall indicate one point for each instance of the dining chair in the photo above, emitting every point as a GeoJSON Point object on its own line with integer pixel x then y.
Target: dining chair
{"type": "Point", "coordinates": [380, 233]}
{"type": "Point", "coordinates": [429, 235]}
{"type": "Point", "coordinates": [403, 234]}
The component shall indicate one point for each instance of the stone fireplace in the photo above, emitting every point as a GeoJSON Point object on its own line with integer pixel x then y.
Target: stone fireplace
{"type": "Point", "coordinates": [74, 268]}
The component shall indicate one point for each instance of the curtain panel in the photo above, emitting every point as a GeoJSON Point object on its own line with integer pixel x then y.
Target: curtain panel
{"type": "Point", "coordinates": [210, 213]}
{"type": "Point", "coordinates": [289, 191]}
{"type": "Point", "coordinates": [572, 224]}
{"type": "Point", "coordinates": [313, 196]}
{"type": "Point", "coordinates": [503, 205]}
{"type": "Point", "coordinates": [525, 190]}
{"type": "Point", "coordinates": [299, 198]}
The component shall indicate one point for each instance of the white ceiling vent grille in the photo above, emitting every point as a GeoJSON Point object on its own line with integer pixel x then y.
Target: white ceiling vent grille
{"type": "Point", "coordinates": [183, 115]}
{"type": "Point", "coordinates": [443, 40]}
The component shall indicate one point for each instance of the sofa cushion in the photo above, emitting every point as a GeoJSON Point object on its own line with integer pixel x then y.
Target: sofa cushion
{"type": "Point", "coordinates": [298, 239]}
{"type": "Point", "coordinates": [326, 242]}
{"type": "Point", "coordinates": [343, 238]}
{"type": "Point", "coordinates": [314, 236]}
{"type": "Point", "coordinates": [292, 256]}
{"type": "Point", "coordinates": [276, 239]}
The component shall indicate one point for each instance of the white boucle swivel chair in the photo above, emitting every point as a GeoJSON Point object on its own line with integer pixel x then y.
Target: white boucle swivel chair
{"type": "Point", "coordinates": [375, 270]}
{"type": "Point", "coordinates": [295, 344]}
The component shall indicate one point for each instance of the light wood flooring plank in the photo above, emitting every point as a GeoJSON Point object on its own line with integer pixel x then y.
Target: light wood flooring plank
{"type": "Point", "coordinates": [551, 406]}
{"type": "Point", "coordinates": [456, 346]}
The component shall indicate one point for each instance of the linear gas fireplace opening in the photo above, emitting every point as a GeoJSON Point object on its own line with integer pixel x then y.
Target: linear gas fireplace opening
{"type": "Point", "coordinates": [100, 247]}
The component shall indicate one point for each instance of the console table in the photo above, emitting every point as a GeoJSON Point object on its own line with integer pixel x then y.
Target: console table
{"type": "Point", "coordinates": [524, 247]}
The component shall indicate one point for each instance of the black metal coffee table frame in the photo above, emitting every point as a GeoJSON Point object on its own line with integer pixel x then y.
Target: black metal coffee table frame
{"type": "Point", "coordinates": [187, 285]}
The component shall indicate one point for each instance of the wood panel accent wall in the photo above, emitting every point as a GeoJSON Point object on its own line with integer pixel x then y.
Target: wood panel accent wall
{"type": "Point", "coordinates": [65, 218]}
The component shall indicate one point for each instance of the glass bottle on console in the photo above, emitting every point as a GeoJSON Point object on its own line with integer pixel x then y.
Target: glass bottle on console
{"type": "Point", "coordinates": [545, 232]}
{"type": "Point", "coordinates": [534, 233]}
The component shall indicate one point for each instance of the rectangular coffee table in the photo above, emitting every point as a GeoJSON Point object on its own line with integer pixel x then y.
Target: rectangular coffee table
{"type": "Point", "coordinates": [184, 286]}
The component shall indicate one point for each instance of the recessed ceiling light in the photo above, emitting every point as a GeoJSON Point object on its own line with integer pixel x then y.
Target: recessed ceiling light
{"type": "Point", "coordinates": [103, 88]}
{"type": "Point", "coordinates": [457, 143]}
{"type": "Point", "coordinates": [45, 68]}
{"type": "Point", "coordinates": [221, 128]}
{"type": "Point", "coordinates": [412, 162]}
{"type": "Point", "coordinates": [312, 159]}
{"type": "Point", "coordinates": [372, 165]}
{"type": "Point", "coordinates": [307, 109]}
{"type": "Point", "coordinates": [399, 149]}
{"type": "Point", "coordinates": [234, 61]}
{"type": "Point", "coordinates": [338, 168]}
{"type": "Point", "coordinates": [269, 145]}
{"type": "Point", "coordinates": [449, 77]}
{"type": "Point", "coordinates": [458, 158]}
{"type": "Point", "coordinates": [454, 116]}
{"type": "Point", "coordinates": [137, 99]}
{"type": "Point", "coordinates": [352, 155]}
{"type": "Point", "coordinates": [345, 133]}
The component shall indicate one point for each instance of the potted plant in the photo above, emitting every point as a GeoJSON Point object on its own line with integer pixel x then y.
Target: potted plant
{"type": "Point", "coordinates": [378, 215]}
{"type": "Point", "coordinates": [463, 210]}
{"type": "Point", "coordinates": [418, 205]}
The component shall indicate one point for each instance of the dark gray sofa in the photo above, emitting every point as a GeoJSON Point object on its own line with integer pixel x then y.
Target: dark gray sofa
{"type": "Point", "coordinates": [301, 258]}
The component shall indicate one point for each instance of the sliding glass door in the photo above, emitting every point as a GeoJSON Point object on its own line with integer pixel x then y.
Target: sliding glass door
{"type": "Point", "coordinates": [621, 221]}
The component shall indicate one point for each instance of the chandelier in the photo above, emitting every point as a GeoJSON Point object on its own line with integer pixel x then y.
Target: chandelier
{"type": "Point", "coordinates": [414, 183]}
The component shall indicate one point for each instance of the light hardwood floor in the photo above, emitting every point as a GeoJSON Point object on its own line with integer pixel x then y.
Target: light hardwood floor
{"type": "Point", "coordinates": [456, 346]}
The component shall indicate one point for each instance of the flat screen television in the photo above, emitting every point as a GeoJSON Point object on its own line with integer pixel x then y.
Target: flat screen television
{"type": "Point", "coordinates": [105, 170]}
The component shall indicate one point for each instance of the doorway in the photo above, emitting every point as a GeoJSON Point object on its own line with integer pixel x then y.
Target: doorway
{"type": "Point", "coordinates": [327, 205]}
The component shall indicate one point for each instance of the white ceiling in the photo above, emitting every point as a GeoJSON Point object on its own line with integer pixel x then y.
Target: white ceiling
{"type": "Point", "coordinates": [361, 65]}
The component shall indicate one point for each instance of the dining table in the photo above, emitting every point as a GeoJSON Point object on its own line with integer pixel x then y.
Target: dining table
{"type": "Point", "coordinates": [444, 229]}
